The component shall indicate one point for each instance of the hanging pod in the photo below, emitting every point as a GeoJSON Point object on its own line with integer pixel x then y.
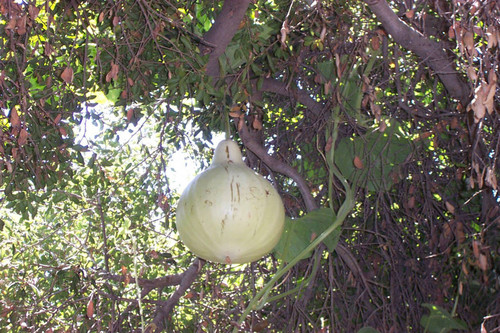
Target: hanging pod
{"type": "Point", "coordinates": [229, 213]}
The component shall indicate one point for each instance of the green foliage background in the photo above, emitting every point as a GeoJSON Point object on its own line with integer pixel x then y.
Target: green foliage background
{"type": "Point", "coordinates": [96, 96]}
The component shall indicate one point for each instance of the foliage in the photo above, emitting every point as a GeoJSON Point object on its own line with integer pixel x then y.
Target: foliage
{"type": "Point", "coordinates": [97, 96]}
{"type": "Point", "coordinates": [440, 321]}
{"type": "Point", "coordinates": [299, 233]}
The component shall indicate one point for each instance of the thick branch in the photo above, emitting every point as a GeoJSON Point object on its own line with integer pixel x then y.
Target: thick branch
{"type": "Point", "coordinates": [222, 32]}
{"type": "Point", "coordinates": [430, 51]}
{"type": "Point", "coordinates": [188, 278]}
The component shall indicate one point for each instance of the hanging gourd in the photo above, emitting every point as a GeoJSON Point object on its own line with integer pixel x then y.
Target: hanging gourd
{"type": "Point", "coordinates": [228, 213]}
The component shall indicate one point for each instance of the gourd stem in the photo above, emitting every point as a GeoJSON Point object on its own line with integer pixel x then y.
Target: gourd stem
{"type": "Point", "coordinates": [227, 125]}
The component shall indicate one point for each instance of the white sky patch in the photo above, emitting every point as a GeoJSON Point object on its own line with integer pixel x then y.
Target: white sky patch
{"type": "Point", "coordinates": [182, 169]}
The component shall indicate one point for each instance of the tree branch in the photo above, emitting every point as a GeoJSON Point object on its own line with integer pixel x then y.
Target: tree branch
{"type": "Point", "coordinates": [222, 32]}
{"type": "Point", "coordinates": [169, 280]}
{"type": "Point", "coordinates": [278, 87]}
{"type": "Point", "coordinates": [430, 51]}
{"type": "Point", "coordinates": [277, 165]}
{"type": "Point", "coordinates": [187, 278]}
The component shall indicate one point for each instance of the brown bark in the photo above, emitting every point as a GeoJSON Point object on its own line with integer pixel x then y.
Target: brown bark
{"type": "Point", "coordinates": [222, 32]}
{"type": "Point", "coordinates": [188, 277]}
{"type": "Point", "coordinates": [430, 51]}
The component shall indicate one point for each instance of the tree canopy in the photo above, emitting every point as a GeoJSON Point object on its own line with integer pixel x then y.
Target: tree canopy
{"type": "Point", "coordinates": [377, 122]}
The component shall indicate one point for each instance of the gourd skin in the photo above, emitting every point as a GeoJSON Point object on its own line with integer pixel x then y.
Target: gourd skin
{"type": "Point", "coordinates": [228, 213]}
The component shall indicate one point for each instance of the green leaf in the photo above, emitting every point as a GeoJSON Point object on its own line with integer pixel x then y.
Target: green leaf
{"type": "Point", "coordinates": [368, 329]}
{"type": "Point", "coordinates": [440, 321]}
{"type": "Point", "coordinates": [327, 70]}
{"type": "Point", "coordinates": [299, 233]}
{"type": "Point", "coordinates": [380, 154]}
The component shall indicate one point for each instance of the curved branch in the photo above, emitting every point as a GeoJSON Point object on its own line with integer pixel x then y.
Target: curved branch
{"type": "Point", "coordinates": [430, 51]}
{"type": "Point", "coordinates": [222, 32]}
{"type": "Point", "coordinates": [188, 278]}
{"type": "Point", "coordinates": [277, 165]}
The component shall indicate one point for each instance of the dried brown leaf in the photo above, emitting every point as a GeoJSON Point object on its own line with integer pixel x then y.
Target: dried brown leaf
{"type": "Point", "coordinates": [112, 74]}
{"type": "Point", "coordinates": [471, 73]}
{"type": "Point", "coordinates": [475, 249]}
{"type": "Point", "coordinates": [375, 42]}
{"type": "Point", "coordinates": [450, 207]}
{"type": "Point", "coordinates": [48, 49]}
{"type": "Point", "coordinates": [12, 24]}
{"type": "Point", "coordinates": [411, 202]}
{"type": "Point", "coordinates": [284, 32]}
{"type": "Point", "coordinates": [67, 75]}
{"type": "Point", "coordinates": [90, 309]}
{"type": "Point", "coordinates": [459, 232]}
{"type": "Point", "coordinates": [21, 25]}
{"type": "Point", "coordinates": [329, 144]}
{"type": "Point", "coordinates": [477, 104]}
{"type": "Point", "coordinates": [15, 154]}
{"type": "Point", "coordinates": [235, 114]}
{"type": "Point", "coordinates": [382, 127]}
{"type": "Point", "coordinates": [480, 179]}
{"type": "Point", "coordinates": [489, 97]}
{"type": "Point", "coordinates": [358, 163]}
{"type": "Point", "coordinates": [491, 179]}
{"type": "Point", "coordinates": [376, 111]}
{"type": "Point", "coordinates": [257, 124]}
{"type": "Point", "coordinates": [451, 32]}
{"type": "Point", "coordinates": [9, 167]}
{"type": "Point", "coordinates": [464, 268]}
{"type": "Point", "coordinates": [468, 40]}
{"type": "Point", "coordinates": [15, 122]}
{"type": "Point", "coordinates": [491, 37]}
{"type": "Point", "coordinates": [483, 262]}
{"type": "Point", "coordinates": [33, 11]}
{"type": "Point", "coordinates": [23, 137]}
{"type": "Point", "coordinates": [130, 114]}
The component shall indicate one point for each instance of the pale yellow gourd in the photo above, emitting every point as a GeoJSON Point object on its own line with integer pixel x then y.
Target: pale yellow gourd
{"type": "Point", "coordinates": [229, 213]}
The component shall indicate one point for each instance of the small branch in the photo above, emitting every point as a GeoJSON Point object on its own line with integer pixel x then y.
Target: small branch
{"type": "Point", "coordinates": [430, 51]}
{"type": "Point", "coordinates": [169, 280]}
{"type": "Point", "coordinates": [187, 278]}
{"type": "Point", "coordinates": [302, 96]}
